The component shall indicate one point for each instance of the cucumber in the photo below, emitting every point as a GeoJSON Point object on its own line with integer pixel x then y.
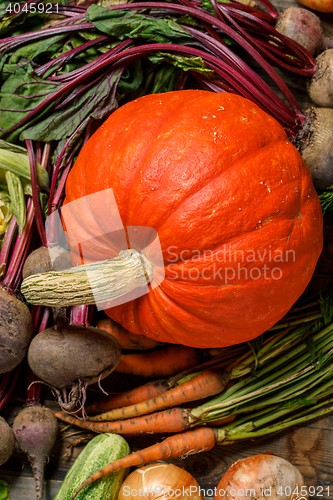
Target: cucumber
{"type": "Point", "coordinates": [100, 451]}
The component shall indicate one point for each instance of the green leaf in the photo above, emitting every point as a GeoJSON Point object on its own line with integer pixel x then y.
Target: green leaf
{"type": "Point", "coordinates": [17, 200]}
{"type": "Point", "coordinates": [132, 78]}
{"type": "Point", "coordinates": [185, 63]}
{"type": "Point", "coordinates": [21, 93]}
{"type": "Point", "coordinates": [15, 159]}
{"type": "Point", "coordinates": [326, 200]}
{"type": "Point", "coordinates": [5, 213]}
{"type": "Point", "coordinates": [97, 101]}
{"type": "Point", "coordinates": [32, 51]}
{"type": "Point", "coordinates": [4, 490]}
{"type": "Point", "coordinates": [124, 24]}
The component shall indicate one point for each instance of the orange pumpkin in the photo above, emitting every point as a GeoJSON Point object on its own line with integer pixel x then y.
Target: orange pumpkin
{"type": "Point", "coordinates": [232, 201]}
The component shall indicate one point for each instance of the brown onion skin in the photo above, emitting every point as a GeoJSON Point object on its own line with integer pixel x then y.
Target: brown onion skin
{"type": "Point", "coordinates": [263, 477]}
{"type": "Point", "coordinates": [157, 476]}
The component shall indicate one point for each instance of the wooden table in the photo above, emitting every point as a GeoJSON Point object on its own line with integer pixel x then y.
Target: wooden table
{"type": "Point", "coordinates": [310, 447]}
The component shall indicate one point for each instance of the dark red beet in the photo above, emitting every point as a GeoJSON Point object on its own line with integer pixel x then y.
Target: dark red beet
{"type": "Point", "coordinates": [7, 441]}
{"type": "Point", "coordinates": [304, 27]}
{"type": "Point", "coordinates": [35, 429]}
{"type": "Point", "coordinates": [15, 331]}
{"type": "Point", "coordinates": [72, 357]}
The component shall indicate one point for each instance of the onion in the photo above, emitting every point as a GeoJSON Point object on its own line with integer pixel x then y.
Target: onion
{"type": "Point", "coordinates": [160, 481]}
{"type": "Point", "coordinates": [262, 477]}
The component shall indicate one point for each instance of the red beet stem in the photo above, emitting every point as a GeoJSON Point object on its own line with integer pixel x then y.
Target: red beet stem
{"type": "Point", "coordinates": [8, 240]}
{"type": "Point", "coordinates": [35, 193]}
{"type": "Point", "coordinates": [81, 315]}
{"type": "Point", "coordinates": [9, 390]}
{"type": "Point", "coordinates": [19, 249]}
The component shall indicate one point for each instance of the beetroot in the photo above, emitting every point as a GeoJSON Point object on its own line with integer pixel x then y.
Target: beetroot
{"type": "Point", "coordinates": [35, 429]}
{"type": "Point", "coordinates": [320, 86]}
{"type": "Point", "coordinates": [39, 261]}
{"type": "Point", "coordinates": [72, 357]}
{"type": "Point", "coordinates": [305, 28]}
{"type": "Point", "coordinates": [314, 142]}
{"type": "Point", "coordinates": [15, 331]}
{"type": "Point", "coordinates": [7, 441]}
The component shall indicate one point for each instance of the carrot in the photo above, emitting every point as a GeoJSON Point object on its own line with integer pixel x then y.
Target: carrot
{"type": "Point", "coordinates": [132, 397]}
{"type": "Point", "coordinates": [160, 363]}
{"type": "Point", "coordinates": [126, 339]}
{"type": "Point", "coordinates": [150, 389]}
{"type": "Point", "coordinates": [178, 445]}
{"type": "Point", "coordinates": [173, 420]}
{"type": "Point", "coordinates": [205, 384]}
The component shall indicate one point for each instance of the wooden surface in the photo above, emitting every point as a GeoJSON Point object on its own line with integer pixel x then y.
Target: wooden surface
{"type": "Point", "coordinates": [310, 447]}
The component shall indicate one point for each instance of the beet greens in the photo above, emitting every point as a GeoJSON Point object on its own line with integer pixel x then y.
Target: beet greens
{"type": "Point", "coordinates": [76, 72]}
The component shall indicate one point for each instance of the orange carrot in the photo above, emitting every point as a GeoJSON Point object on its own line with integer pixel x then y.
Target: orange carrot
{"type": "Point", "coordinates": [174, 420]}
{"type": "Point", "coordinates": [160, 363]}
{"type": "Point", "coordinates": [126, 339]}
{"type": "Point", "coordinates": [150, 389]}
{"type": "Point", "coordinates": [132, 397]}
{"type": "Point", "coordinates": [179, 445]}
{"type": "Point", "coordinates": [205, 384]}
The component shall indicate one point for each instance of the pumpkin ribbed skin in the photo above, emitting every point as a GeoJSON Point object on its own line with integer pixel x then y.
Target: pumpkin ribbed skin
{"type": "Point", "coordinates": [227, 192]}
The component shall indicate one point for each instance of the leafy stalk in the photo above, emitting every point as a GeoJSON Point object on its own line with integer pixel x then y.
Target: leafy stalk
{"type": "Point", "coordinates": [48, 102]}
{"type": "Point", "coordinates": [288, 380]}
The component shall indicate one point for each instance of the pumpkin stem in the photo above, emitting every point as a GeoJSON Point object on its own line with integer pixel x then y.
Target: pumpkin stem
{"type": "Point", "coordinates": [96, 282]}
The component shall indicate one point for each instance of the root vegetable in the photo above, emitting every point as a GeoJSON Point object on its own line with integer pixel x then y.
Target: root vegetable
{"type": "Point", "coordinates": [166, 421]}
{"type": "Point", "coordinates": [161, 362]}
{"type": "Point", "coordinates": [305, 28]}
{"type": "Point", "coordinates": [15, 331]}
{"type": "Point", "coordinates": [7, 441]}
{"type": "Point", "coordinates": [151, 480]}
{"type": "Point", "coordinates": [320, 86]}
{"type": "Point", "coordinates": [73, 357]}
{"type": "Point", "coordinates": [39, 261]}
{"type": "Point", "coordinates": [35, 429]}
{"type": "Point", "coordinates": [262, 476]}
{"type": "Point", "coordinates": [126, 339]}
{"type": "Point", "coordinates": [202, 385]}
{"type": "Point", "coordinates": [315, 143]}
{"type": "Point", "coordinates": [131, 397]}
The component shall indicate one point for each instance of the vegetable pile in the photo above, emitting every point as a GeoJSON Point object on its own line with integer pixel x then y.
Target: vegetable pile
{"type": "Point", "coordinates": [181, 109]}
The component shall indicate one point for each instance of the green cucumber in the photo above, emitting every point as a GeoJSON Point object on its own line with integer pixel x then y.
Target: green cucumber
{"type": "Point", "coordinates": [100, 451]}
